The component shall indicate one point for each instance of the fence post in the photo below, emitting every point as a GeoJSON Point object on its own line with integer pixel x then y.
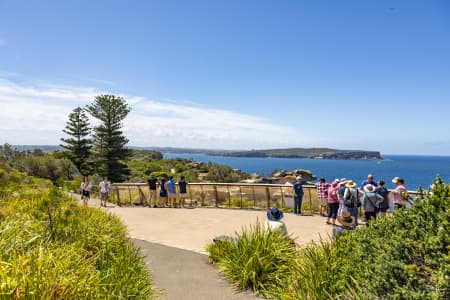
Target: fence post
{"type": "Point", "coordinates": [310, 200]}
{"type": "Point", "coordinates": [282, 197]}
{"type": "Point", "coordinates": [190, 195]}
{"type": "Point", "coordinates": [203, 195]}
{"type": "Point", "coordinates": [216, 195]}
{"type": "Point", "coordinates": [129, 193]}
{"type": "Point", "coordinates": [118, 196]}
{"type": "Point", "coordinates": [141, 195]}
{"type": "Point", "coordinates": [254, 199]}
{"type": "Point", "coordinates": [229, 196]}
{"type": "Point", "coordinates": [268, 197]}
{"type": "Point", "coordinates": [240, 192]}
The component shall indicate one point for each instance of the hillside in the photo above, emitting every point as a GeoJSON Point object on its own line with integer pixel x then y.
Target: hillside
{"type": "Point", "coordinates": [319, 153]}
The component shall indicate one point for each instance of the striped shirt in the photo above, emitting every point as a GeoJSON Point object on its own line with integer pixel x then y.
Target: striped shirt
{"type": "Point", "coordinates": [322, 189]}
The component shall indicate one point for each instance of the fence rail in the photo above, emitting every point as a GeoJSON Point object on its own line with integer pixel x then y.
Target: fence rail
{"type": "Point", "coordinates": [227, 195]}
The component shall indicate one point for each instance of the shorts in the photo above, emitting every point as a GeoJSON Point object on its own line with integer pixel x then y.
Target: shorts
{"type": "Point", "coordinates": [86, 193]}
{"type": "Point", "coordinates": [104, 196]}
{"type": "Point", "coordinates": [323, 201]}
{"type": "Point", "coordinates": [172, 195]}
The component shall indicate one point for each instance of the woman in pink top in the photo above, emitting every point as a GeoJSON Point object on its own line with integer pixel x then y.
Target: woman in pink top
{"type": "Point", "coordinates": [398, 192]}
{"type": "Point", "coordinates": [333, 202]}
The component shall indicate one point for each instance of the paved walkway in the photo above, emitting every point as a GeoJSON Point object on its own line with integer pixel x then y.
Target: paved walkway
{"type": "Point", "coordinates": [187, 275]}
{"type": "Point", "coordinates": [173, 242]}
{"type": "Point", "coordinates": [193, 229]}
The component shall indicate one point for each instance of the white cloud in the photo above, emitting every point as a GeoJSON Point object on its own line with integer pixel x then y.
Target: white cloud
{"type": "Point", "coordinates": [37, 113]}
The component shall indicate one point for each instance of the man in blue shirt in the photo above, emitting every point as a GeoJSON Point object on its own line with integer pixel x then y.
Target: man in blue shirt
{"type": "Point", "coordinates": [298, 190]}
{"type": "Point", "coordinates": [172, 193]}
{"type": "Point", "coordinates": [369, 180]}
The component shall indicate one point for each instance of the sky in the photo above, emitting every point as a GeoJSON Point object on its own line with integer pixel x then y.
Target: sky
{"type": "Point", "coordinates": [371, 75]}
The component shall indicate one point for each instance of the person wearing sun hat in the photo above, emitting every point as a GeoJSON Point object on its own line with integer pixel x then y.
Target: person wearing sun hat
{"type": "Point", "coordinates": [341, 191]}
{"type": "Point", "coordinates": [333, 202]}
{"type": "Point", "coordinates": [347, 222]}
{"type": "Point", "coordinates": [370, 202]}
{"type": "Point", "coordinates": [352, 196]}
{"type": "Point", "coordinates": [273, 222]}
{"type": "Point", "coordinates": [398, 191]}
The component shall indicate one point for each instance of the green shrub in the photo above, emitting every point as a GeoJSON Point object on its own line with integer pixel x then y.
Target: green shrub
{"type": "Point", "coordinates": [403, 257]}
{"type": "Point", "coordinates": [54, 249]}
{"type": "Point", "coordinates": [259, 258]}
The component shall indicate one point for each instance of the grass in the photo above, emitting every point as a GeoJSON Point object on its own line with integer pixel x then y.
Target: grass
{"type": "Point", "coordinates": [403, 257]}
{"type": "Point", "coordinates": [54, 249]}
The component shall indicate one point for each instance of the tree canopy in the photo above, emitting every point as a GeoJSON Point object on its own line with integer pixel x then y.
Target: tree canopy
{"type": "Point", "coordinates": [109, 143]}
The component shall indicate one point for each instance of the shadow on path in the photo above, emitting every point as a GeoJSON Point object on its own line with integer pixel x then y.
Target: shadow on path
{"type": "Point", "coordinates": [186, 275]}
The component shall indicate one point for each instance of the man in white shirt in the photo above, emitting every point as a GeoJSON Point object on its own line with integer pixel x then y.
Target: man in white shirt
{"type": "Point", "coordinates": [103, 187]}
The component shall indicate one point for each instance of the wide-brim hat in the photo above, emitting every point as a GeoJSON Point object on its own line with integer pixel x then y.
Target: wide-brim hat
{"type": "Point", "coordinates": [350, 184]}
{"type": "Point", "coordinates": [369, 188]}
{"type": "Point", "coordinates": [342, 181]}
{"type": "Point", "coordinates": [275, 214]}
{"type": "Point", "coordinates": [397, 179]}
{"type": "Point", "coordinates": [346, 219]}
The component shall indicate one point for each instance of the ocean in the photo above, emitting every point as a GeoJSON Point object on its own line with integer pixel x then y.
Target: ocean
{"type": "Point", "coordinates": [416, 170]}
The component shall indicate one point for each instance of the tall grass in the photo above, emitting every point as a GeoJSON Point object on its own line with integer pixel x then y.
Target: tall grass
{"type": "Point", "coordinates": [51, 248]}
{"type": "Point", "coordinates": [404, 257]}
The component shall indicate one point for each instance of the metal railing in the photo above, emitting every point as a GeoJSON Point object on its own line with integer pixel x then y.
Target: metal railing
{"type": "Point", "coordinates": [226, 195]}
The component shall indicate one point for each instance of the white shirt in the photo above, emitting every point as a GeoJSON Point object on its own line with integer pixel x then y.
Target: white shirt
{"type": "Point", "coordinates": [275, 225]}
{"type": "Point", "coordinates": [104, 187]}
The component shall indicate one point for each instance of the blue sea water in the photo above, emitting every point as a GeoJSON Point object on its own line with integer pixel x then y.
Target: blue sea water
{"type": "Point", "coordinates": [416, 170]}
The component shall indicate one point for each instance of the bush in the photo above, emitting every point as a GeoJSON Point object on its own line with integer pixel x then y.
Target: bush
{"type": "Point", "coordinates": [54, 249]}
{"type": "Point", "coordinates": [259, 259]}
{"type": "Point", "coordinates": [403, 257]}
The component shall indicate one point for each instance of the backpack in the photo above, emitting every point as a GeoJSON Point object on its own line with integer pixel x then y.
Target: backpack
{"type": "Point", "coordinates": [350, 200]}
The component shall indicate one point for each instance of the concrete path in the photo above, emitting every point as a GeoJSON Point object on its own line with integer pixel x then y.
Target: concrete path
{"type": "Point", "coordinates": [193, 229]}
{"type": "Point", "coordinates": [187, 275]}
{"type": "Point", "coordinates": [173, 242]}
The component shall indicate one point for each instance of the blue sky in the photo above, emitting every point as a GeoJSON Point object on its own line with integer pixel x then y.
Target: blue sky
{"type": "Point", "coordinates": [233, 74]}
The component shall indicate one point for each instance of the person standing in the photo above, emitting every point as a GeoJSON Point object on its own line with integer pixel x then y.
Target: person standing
{"type": "Point", "coordinates": [369, 180]}
{"type": "Point", "coordinates": [322, 188]}
{"type": "Point", "coordinates": [398, 192]}
{"type": "Point", "coordinates": [163, 193]}
{"type": "Point", "coordinates": [333, 202]}
{"type": "Point", "coordinates": [341, 191]}
{"type": "Point", "coordinates": [370, 202]}
{"type": "Point", "coordinates": [85, 188]}
{"type": "Point", "coordinates": [152, 182]}
{"type": "Point", "coordinates": [103, 187]}
{"type": "Point", "coordinates": [298, 191]}
{"type": "Point", "coordinates": [172, 193]}
{"type": "Point", "coordinates": [182, 185]}
{"type": "Point", "coordinates": [383, 192]}
{"type": "Point", "coordinates": [351, 199]}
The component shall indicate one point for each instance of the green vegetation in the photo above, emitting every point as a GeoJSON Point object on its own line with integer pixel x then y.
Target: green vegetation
{"type": "Point", "coordinates": [109, 151]}
{"type": "Point", "coordinates": [304, 153]}
{"type": "Point", "coordinates": [54, 249]}
{"type": "Point", "coordinates": [403, 257]}
{"type": "Point", "coordinates": [78, 146]}
{"type": "Point", "coordinates": [51, 166]}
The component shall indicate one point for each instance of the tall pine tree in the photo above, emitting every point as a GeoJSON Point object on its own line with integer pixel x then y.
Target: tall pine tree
{"type": "Point", "coordinates": [108, 140]}
{"type": "Point", "coordinates": [78, 145]}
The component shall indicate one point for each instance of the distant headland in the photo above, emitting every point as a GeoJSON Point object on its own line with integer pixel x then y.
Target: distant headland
{"type": "Point", "coordinates": [315, 153]}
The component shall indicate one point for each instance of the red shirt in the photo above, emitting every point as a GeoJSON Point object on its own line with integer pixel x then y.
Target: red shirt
{"type": "Point", "coordinates": [322, 189]}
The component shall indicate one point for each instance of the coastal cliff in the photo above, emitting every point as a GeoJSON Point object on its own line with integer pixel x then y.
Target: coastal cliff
{"type": "Point", "coordinates": [317, 153]}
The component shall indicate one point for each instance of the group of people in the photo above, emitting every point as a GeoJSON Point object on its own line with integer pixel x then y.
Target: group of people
{"type": "Point", "coordinates": [343, 196]}
{"type": "Point", "coordinates": [342, 199]}
{"type": "Point", "coordinates": [167, 196]}
{"type": "Point", "coordinates": [86, 188]}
